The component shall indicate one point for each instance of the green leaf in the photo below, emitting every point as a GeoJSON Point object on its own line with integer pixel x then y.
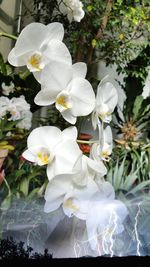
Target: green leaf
{"type": "Point", "coordinates": [33, 194]}
{"type": "Point", "coordinates": [19, 173]}
{"type": "Point", "coordinates": [130, 179]}
{"type": "Point", "coordinates": [24, 186]}
{"type": "Point", "coordinates": [34, 174]}
{"type": "Point", "coordinates": [115, 177]}
{"type": "Point", "coordinates": [6, 203]}
{"type": "Point", "coordinates": [139, 187]}
{"type": "Point", "coordinates": [118, 174]}
{"type": "Point", "coordinates": [110, 175]}
{"type": "Point", "coordinates": [10, 125]}
{"type": "Point", "coordinates": [137, 106]}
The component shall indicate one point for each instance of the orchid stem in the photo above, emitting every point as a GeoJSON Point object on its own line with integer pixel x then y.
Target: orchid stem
{"type": "Point", "coordinates": [87, 142]}
{"type": "Point", "coordinates": [4, 34]}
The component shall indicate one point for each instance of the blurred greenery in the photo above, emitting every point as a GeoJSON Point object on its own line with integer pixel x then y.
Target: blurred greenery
{"type": "Point", "coordinates": [112, 30]}
{"type": "Point", "coordinates": [129, 169]}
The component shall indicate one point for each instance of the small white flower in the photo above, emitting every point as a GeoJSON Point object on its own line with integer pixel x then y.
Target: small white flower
{"type": "Point", "coordinates": [26, 120]}
{"type": "Point", "coordinates": [146, 88]}
{"type": "Point", "coordinates": [106, 100]}
{"type": "Point", "coordinates": [105, 217]}
{"type": "Point", "coordinates": [18, 109]}
{"type": "Point", "coordinates": [67, 87]}
{"type": "Point", "coordinates": [72, 8]}
{"type": "Point", "coordinates": [4, 101]}
{"type": "Point", "coordinates": [7, 89]}
{"type": "Point", "coordinates": [58, 150]}
{"type": "Point", "coordinates": [16, 106]}
{"type": "Point", "coordinates": [37, 45]}
{"type": "Point", "coordinates": [103, 150]}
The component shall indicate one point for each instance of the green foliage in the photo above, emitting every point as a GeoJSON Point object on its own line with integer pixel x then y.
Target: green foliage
{"type": "Point", "coordinates": [137, 69]}
{"type": "Point", "coordinates": [134, 127]}
{"type": "Point", "coordinates": [129, 170]}
{"type": "Point", "coordinates": [137, 106]}
{"type": "Point", "coordinates": [24, 179]}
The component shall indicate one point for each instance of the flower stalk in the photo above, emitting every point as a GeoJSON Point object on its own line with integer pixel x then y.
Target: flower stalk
{"type": "Point", "coordinates": [4, 34]}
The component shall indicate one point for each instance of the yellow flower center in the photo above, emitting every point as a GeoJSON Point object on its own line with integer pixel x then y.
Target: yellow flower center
{"type": "Point", "coordinates": [34, 61]}
{"type": "Point", "coordinates": [69, 204]}
{"type": "Point", "coordinates": [62, 101]}
{"type": "Point", "coordinates": [105, 155]}
{"type": "Point", "coordinates": [102, 115]}
{"type": "Point", "coordinates": [43, 157]}
{"type": "Point", "coordinates": [13, 113]}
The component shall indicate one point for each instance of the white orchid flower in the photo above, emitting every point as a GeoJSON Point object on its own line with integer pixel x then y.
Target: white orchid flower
{"type": "Point", "coordinates": [105, 218]}
{"type": "Point", "coordinates": [72, 8]}
{"type": "Point", "coordinates": [7, 89]}
{"type": "Point", "coordinates": [73, 192]}
{"type": "Point", "coordinates": [106, 100]}
{"type": "Point", "coordinates": [57, 149]}
{"type": "Point", "coordinates": [67, 87]}
{"type": "Point", "coordinates": [102, 151]}
{"type": "Point", "coordinates": [76, 202]}
{"type": "Point", "coordinates": [90, 168]}
{"type": "Point", "coordinates": [107, 143]}
{"type": "Point", "coordinates": [37, 45]}
{"type": "Point", "coordinates": [18, 109]}
{"type": "Point", "coordinates": [4, 101]}
{"type": "Point", "coordinates": [26, 120]}
{"type": "Point", "coordinates": [62, 191]}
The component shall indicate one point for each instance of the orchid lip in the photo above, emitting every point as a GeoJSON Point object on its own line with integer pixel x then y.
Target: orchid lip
{"type": "Point", "coordinates": [35, 62]}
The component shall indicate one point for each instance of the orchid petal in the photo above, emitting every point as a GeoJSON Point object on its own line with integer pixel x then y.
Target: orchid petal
{"type": "Point", "coordinates": [16, 60]}
{"type": "Point", "coordinates": [107, 94]}
{"type": "Point", "coordinates": [55, 30]}
{"type": "Point", "coordinates": [30, 38]}
{"type": "Point", "coordinates": [79, 70]}
{"type": "Point", "coordinates": [51, 206]}
{"type": "Point", "coordinates": [82, 96]}
{"type": "Point", "coordinates": [28, 156]}
{"type": "Point", "coordinates": [70, 133]}
{"type": "Point", "coordinates": [67, 154]}
{"type": "Point", "coordinates": [57, 51]}
{"type": "Point", "coordinates": [45, 97]}
{"type": "Point", "coordinates": [68, 116]}
{"type": "Point", "coordinates": [56, 76]}
{"type": "Point", "coordinates": [46, 136]}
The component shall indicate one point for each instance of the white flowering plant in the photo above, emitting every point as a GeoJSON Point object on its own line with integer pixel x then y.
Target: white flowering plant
{"type": "Point", "coordinates": [73, 165]}
{"type": "Point", "coordinates": [76, 181]}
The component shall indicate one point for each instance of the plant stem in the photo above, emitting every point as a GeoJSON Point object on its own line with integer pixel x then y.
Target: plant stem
{"type": "Point", "coordinates": [4, 34]}
{"type": "Point", "coordinates": [87, 142]}
{"type": "Point", "coordinates": [79, 53]}
{"type": "Point", "coordinates": [101, 29]}
{"type": "Point", "coordinates": [7, 185]}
